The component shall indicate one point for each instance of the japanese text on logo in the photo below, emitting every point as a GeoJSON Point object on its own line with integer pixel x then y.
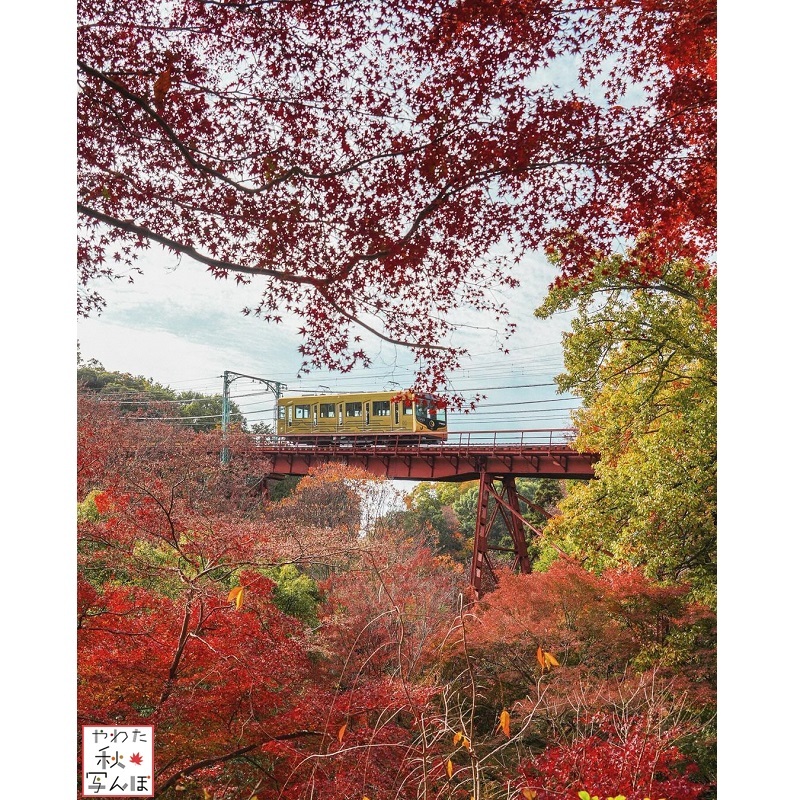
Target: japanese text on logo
{"type": "Point", "coordinates": [117, 762]}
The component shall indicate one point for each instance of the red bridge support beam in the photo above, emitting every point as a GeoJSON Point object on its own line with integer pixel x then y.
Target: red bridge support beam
{"type": "Point", "coordinates": [480, 550]}
{"type": "Point", "coordinates": [506, 503]}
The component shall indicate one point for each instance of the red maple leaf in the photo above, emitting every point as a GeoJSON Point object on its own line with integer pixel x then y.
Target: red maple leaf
{"type": "Point", "coordinates": [136, 758]}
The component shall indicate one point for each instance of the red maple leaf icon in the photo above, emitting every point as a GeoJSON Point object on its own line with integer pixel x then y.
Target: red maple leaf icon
{"type": "Point", "coordinates": [136, 758]}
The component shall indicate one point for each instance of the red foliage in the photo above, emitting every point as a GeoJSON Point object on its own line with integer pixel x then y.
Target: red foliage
{"type": "Point", "coordinates": [367, 145]}
{"type": "Point", "coordinates": [238, 696]}
{"type": "Point", "coordinates": [248, 699]}
{"type": "Point", "coordinates": [632, 758]}
{"type": "Point", "coordinates": [393, 604]}
{"type": "Point", "coordinates": [598, 620]}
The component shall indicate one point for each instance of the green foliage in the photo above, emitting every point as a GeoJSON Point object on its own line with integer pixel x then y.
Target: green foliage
{"type": "Point", "coordinates": [94, 377]}
{"type": "Point", "coordinates": [87, 510]}
{"type": "Point", "coordinates": [584, 795]}
{"type": "Point", "coordinates": [280, 490]}
{"type": "Point", "coordinates": [627, 324]}
{"type": "Point", "coordinates": [137, 393]}
{"type": "Point", "coordinates": [431, 512]}
{"type": "Point", "coordinates": [643, 358]}
{"type": "Point", "coordinates": [295, 594]}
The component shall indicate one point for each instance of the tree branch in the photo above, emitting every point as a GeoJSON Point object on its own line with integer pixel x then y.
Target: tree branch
{"type": "Point", "coordinates": [172, 244]}
{"type": "Point", "coordinates": [210, 762]}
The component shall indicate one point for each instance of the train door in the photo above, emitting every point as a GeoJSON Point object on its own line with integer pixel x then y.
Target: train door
{"type": "Point", "coordinates": [396, 414]}
{"type": "Point", "coordinates": [315, 415]}
{"type": "Point", "coordinates": [408, 415]}
{"type": "Point", "coordinates": [366, 414]}
{"type": "Point", "coordinates": [340, 415]}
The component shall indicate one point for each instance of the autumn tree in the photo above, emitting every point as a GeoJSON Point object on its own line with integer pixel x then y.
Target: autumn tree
{"type": "Point", "coordinates": [632, 750]}
{"type": "Point", "coordinates": [429, 517]}
{"type": "Point", "coordinates": [582, 662]}
{"type": "Point", "coordinates": [643, 358]}
{"type": "Point", "coordinates": [189, 616]}
{"type": "Point", "coordinates": [196, 614]}
{"type": "Point", "coordinates": [158, 556]}
{"type": "Point", "coordinates": [397, 157]}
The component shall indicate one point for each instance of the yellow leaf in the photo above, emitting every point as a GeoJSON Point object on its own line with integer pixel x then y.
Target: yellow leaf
{"type": "Point", "coordinates": [540, 658]}
{"type": "Point", "coordinates": [342, 732]}
{"type": "Point", "coordinates": [458, 737]}
{"type": "Point", "coordinates": [465, 743]}
{"type": "Point", "coordinates": [529, 794]}
{"type": "Point", "coordinates": [236, 595]}
{"type": "Point", "coordinates": [550, 659]}
{"type": "Point", "coordinates": [505, 722]}
{"type": "Point", "coordinates": [449, 768]}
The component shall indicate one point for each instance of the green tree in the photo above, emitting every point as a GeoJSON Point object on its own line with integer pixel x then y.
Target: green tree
{"type": "Point", "coordinates": [430, 517]}
{"type": "Point", "coordinates": [136, 393]}
{"type": "Point", "coordinates": [295, 593]}
{"type": "Point", "coordinates": [643, 358]}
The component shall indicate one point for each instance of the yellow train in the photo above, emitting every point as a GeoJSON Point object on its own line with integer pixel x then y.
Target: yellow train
{"type": "Point", "coordinates": [363, 415]}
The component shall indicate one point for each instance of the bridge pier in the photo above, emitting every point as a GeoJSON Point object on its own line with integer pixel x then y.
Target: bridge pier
{"type": "Point", "coordinates": [506, 503]}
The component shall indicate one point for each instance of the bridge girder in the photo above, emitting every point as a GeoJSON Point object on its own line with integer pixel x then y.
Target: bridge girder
{"type": "Point", "coordinates": [496, 466]}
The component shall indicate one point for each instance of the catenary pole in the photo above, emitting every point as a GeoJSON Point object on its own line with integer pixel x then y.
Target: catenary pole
{"type": "Point", "coordinates": [228, 377]}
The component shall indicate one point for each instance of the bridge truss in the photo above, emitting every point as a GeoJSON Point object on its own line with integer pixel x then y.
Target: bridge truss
{"type": "Point", "coordinates": [495, 459]}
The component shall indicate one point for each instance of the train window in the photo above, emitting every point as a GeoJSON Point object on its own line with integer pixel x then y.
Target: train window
{"type": "Point", "coordinates": [380, 408]}
{"type": "Point", "coordinates": [281, 412]}
{"type": "Point", "coordinates": [396, 414]}
{"type": "Point", "coordinates": [352, 409]}
{"type": "Point", "coordinates": [408, 408]}
{"type": "Point", "coordinates": [327, 410]}
{"type": "Point", "coordinates": [302, 411]}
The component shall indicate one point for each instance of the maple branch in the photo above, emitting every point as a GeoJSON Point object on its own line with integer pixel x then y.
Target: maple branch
{"type": "Point", "coordinates": [209, 762]}
{"type": "Point", "coordinates": [284, 176]}
{"type": "Point", "coordinates": [182, 639]}
{"type": "Point", "coordinates": [416, 345]}
{"type": "Point", "coordinates": [318, 283]}
{"type": "Point", "coordinates": [161, 122]}
{"type": "Point", "coordinates": [470, 672]}
{"type": "Point", "coordinates": [172, 244]}
{"type": "Point", "coordinates": [429, 208]}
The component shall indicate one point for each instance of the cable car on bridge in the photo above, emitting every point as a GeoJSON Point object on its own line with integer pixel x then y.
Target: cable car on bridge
{"type": "Point", "coordinates": [406, 416]}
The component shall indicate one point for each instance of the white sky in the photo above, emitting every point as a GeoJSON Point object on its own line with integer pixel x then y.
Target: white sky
{"type": "Point", "coordinates": [758, 433]}
{"type": "Point", "coordinates": [183, 328]}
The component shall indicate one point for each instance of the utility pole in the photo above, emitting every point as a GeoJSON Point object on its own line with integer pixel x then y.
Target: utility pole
{"type": "Point", "coordinates": [228, 377]}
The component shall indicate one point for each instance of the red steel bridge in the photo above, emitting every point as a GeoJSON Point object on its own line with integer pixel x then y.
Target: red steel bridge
{"type": "Point", "coordinates": [495, 459]}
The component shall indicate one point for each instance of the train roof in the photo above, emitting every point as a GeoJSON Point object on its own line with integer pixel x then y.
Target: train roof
{"type": "Point", "coordinates": [355, 395]}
